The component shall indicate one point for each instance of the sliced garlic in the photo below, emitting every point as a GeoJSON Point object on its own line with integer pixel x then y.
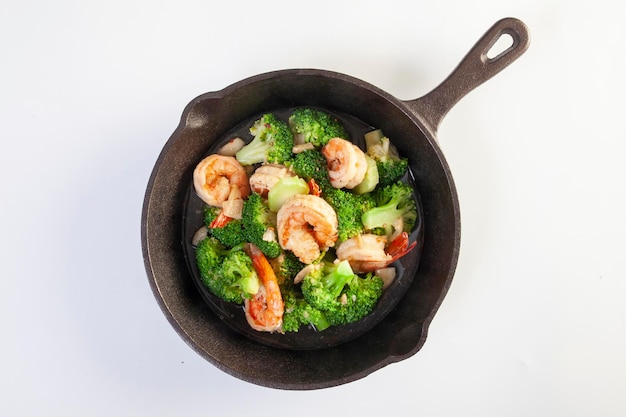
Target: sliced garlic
{"type": "Point", "coordinates": [199, 236]}
{"type": "Point", "coordinates": [388, 275]}
{"type": "Point", "coordinates": [232, 147]}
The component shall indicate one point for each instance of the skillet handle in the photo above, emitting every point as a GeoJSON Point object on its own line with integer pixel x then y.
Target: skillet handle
{"type": "Point", "coordinates": [476, 68]}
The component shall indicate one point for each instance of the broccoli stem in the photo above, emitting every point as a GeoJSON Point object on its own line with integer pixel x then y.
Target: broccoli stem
{"type": "Point", "coordinates": [341, 274]}
{"type": "Point", "coordinates": [373, 138]}
{"type": "Point", "coordinates": [370, 181]}
{"type": "Point", "coordinates": [253, 153]}
{"type": "Point", "coordinates": [382, 217]}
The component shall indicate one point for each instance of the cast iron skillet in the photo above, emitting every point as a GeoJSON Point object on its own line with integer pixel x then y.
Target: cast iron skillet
{"type": "Point", "coordinates": [401, 330]}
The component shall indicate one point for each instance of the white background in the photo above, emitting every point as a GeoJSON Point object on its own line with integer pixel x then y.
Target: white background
{"type": "Point", "coordinates": [535, 320]}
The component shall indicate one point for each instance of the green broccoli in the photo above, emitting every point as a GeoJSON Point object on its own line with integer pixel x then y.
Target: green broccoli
{"type": "Point", "coordinates": [287, 266]}
{"type": "Point", "coordinates": [315, 126]}
{"type": "Point", "coordinates": [298, 312]}
{"type": "Point", "coordinates": [227, 273]}
{"type": "Point", "coordinates": [340, 294]}
{"type": "Point", "coordinates": [257, 219]}
{"type": "Point", "coordinates": [231, 234]}
{"type": "Point", "coordinates": [349, 208]}
{"type": "Point", "coordinates": [272, 142]}
{"type": "Point", "coordinates": [357, 301]}
{"type": "Point", "coordinates": [391, 167]}
{"type": "Point", "coordinates": [323, 286]}
{"type": "Point", "coordinates": [209, 253]}
{"type": "Point", "coordinates": [311, 164]}
{"type": "Point", "coordinates": [394, 207]}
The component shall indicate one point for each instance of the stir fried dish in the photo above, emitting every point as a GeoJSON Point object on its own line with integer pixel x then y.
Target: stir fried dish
{"type": "Point", "coordinates": [301, 225]}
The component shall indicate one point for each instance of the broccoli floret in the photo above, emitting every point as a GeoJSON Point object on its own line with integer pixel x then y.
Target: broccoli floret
{"type": "Point", "coordinates": [298, 312]}
{"type": "Point", "coordinates": [227, 273]}
{"type": "Point", "coordinates": [311, 164]}
{"type": "Point", "coordinates": [289, 266]}
{"type": "Point", "coordinates": [237, 268]}
{"type": "Point", "coordinates": [341, 295]}
{"type": "Point", "coordinates": [316, 126]}
{"type": "Point", "coordinates": [231, 234]}
{"type": "Point", "coordinates": [272, 142]}
{"type": "Point", "coordinates": [322, 287]}
{"type": "Point", "coordinates": [395, 206]}
{"type": "Point", "coordinates": [209, 253]}
{"type": "Point", "coordinates": [391, 171]}
{"type": "Point", "coordinates": [349, 208]}
{"type": "Point", "coordinates": [257, 219]}
{"type": "Point", "coordinates": [252, 227]}
{"type": "Point", "coordinates": [357, 301]}
{"type": "Point", "coordinates": [391, 167]}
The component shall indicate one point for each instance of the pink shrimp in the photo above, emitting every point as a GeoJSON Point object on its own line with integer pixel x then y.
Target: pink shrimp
{"type": "Point", "coordinates": [219, 178]}
{"type": "Point", "coordinates": [264, 312]}
{"type": "Point", "coordinates": [346, 163]}
{"type": "Point", "coordinates": [369, 252]}
{"type": "Point", "coordinates": [266, 176]}
{"type": "Point", "coordinates": [307, 225]}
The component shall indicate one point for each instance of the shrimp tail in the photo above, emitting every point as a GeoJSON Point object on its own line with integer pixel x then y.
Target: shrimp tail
{"type": "Point", "coordinates": [314, 188]}
{"type": "Point", "coordinates": [220, 221]}
{"type": "Point", "coordinates": [400, 246]}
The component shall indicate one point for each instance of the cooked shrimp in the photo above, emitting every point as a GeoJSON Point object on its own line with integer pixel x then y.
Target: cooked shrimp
{"type": "Point", "coordinates": [364, 252]}
{"type": "Point", "coordinates": [266, 176]}
{"type": "Point", "coordinates": [216, 177]}
{"type": "Point", "coordinates": [264, 312]}
{"type": "Point", "coordinates": [369, 252]}
{"type": "Point", "coordinates": [307, 225]}
{"type": "Point", "coordinates": [346, 163]}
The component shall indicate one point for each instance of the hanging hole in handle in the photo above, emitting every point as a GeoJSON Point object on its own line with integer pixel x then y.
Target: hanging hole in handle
{"type": "Point", "coordinates": [503, 44]}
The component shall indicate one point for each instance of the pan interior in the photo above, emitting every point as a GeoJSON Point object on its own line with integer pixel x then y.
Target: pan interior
{"type": "Point", "coordinates": [307, 337]}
